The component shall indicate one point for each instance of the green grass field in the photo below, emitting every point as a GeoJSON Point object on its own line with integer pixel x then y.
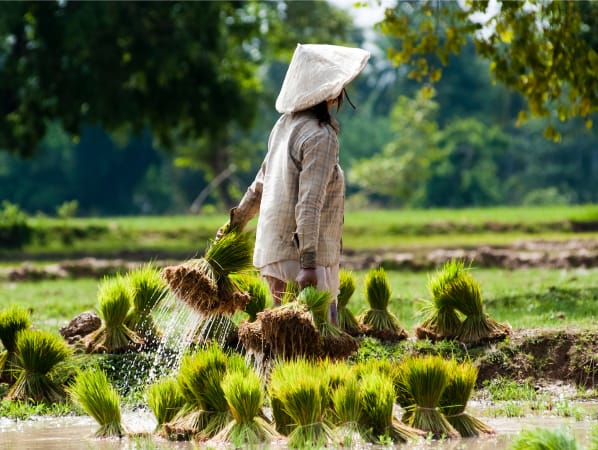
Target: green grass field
{"type": "Point", "coordinates": [363, 229]}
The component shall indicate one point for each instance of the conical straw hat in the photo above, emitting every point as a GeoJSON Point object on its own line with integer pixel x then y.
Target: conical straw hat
{"type": "Point", "coordinates": [317, 73]}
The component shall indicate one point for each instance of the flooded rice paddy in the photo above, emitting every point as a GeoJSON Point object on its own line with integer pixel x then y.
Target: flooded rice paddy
{"type": "Point", "coordinates": [76, 433]}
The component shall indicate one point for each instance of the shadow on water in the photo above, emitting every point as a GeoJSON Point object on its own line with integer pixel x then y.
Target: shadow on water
{"type": "Point", "coordinates": [75, 433]}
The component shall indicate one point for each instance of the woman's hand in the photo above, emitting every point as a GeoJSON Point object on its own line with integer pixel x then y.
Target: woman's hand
{"type": "Point", "coordinates": [307, 277]}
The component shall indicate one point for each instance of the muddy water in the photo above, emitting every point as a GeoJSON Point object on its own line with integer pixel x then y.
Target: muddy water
{"type": "Point", "coordinates": [75, 433]}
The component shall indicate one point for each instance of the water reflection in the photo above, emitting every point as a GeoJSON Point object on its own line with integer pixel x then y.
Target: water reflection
{"type": "Point", "coordinates": [76, 433]}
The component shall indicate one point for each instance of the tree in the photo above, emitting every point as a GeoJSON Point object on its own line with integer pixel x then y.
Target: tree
{"type": "Point", "coordinates": [401, 169]}
{"type": "Point", "coordinates": [185, 69]}
{"type": "Point", "coordinates": [468, 174]}
{"type": "Point", "coordinates": [546, 50]}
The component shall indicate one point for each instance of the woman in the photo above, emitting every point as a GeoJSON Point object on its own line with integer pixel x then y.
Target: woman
{"type": "Point", "coordinates": [299, 190]}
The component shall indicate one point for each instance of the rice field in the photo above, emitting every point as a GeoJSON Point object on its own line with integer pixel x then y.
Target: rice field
{"type": "Point", "coordinates": [526, 298]}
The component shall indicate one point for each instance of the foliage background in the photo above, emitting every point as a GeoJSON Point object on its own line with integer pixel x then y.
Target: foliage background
{"type": "Point", "coordinates": [120, 119]}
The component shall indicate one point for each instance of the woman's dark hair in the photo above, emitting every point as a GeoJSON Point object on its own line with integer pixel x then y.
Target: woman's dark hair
{"type": "Point", "coordinates": [321, 109]}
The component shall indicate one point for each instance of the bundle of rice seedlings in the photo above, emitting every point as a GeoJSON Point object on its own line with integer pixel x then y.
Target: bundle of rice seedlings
{"type": "Point", "coordinates": [336, 343]}
{"type": "Point", "coordinates": [304, 397]}
{"type": "Point", "coordinates": [206, 411]}
{"type": "Point", "coordinates": [243, 393]}
{"type": "Point", "coordinates": [424, 379]}
{"type": "Point", "coordinates": [478, 326]}
{"type": "Point", "coordinates": [376, 401]}
{"type": "Point", "coordinates": [12, 320]}
{"type": "Point", "coordinates": [441, 320]}
{"type": "Point", "coordinates": [545, 439]}
{"type": "Point", "coordinates": [347, 413]}
{"type": "Point", "coordinates": [165, 399]}
{"type": "Point", "coordinates": [258, 291]}
{"type": "Point", "coordinates": [113, 336]}
{"type": "Point", "coordinates": [39, 355]}
{"type": "Point", "coordinates": [378, 321]}
{"type": "Point", "coordinates": [92, 391]}
{"type": "Point", "coordinates": [252, 339]}
{"type": "Point", "coordinates": [205, 285]}
{"type": "Point", "coordinates": [462, 379]}
{"type": "Point", "coordinates": [346, 320]}
{"type": "Point", "coordinates": [290, 332]}
{"type": "Point", "coordinates": [147, 290]}
{"type": "Point", "coordinates": [282, 372]}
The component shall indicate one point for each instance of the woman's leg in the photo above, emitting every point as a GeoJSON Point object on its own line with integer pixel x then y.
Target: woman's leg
{"type": "Point", "coordinates": [277, 288]}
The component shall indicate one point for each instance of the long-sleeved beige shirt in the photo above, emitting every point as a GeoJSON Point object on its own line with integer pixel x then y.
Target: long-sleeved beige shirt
{"type": "Point", "coordinates": [299, 194]}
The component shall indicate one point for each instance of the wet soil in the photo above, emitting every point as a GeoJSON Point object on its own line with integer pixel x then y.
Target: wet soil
{"type": "Point", "coordinates": [546, 356]}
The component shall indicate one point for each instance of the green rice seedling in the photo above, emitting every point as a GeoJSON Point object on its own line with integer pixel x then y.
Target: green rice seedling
{"type": "Point", "coordinates": [347, 413]}
{"type": "Point", "coordinates": [594, 438]}
{"type": "Point", "coordinates": [206, 410]}
{"type": "Point", "coordinates": [441, 320]}
{"type": "Point", "coordinates": [243, 393]}
{"type": "Point", "coordinates": [113, 336]}
{"type": "Point", "coordinates": [376, 401]}
{"type": "Point", "coordinates": [465, 293]}
{"type": "Point", "coordinates": [283, 373]}
{"type": "Point", "coordinates": [39, 355]}
{"type": "Point", "coordinates": [290, 293]}
{"type": "Point", "coordinates": [346, 320]}
{"type": "Point", "coordinates": [12, 320]}
{"type": "Point", "coordinates": [258, 290]}
{"type": "Point", "coordinates": [205, 283]}
{"type": "Point", "coordinates": [462, 379]}
{"type": "Point", "coordinates": [545, 439]}
{"type": "Point", "coordinates": [147, 290]}
{"type": "Point", "coordinates": [424, 379]}
{"type": "Point", "coordinates": [165, 399]}
{"type": "Point", "coordinates": [92, 391]}
{"type": "Point", "coordinates": [378, 321]}
{"type": "Point", "coordinates": [304, 399]}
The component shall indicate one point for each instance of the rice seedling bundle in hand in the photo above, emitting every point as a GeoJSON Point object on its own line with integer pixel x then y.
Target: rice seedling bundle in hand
{"type": "Point", "coordinates": [113, 336]}
{"type": "Point", "coordinates": [243, 393]}
{"type": "Point", "coordinates": [441, 320]}
{"type": "Point", "coordinates": [12, 320]}
{"type": "Point", "coordinates": [376, 401]}
{"type": "Point", "coordinates": [39, 356]}
{"type": "Point", "coordinates": [545, 439]}
{"type": "Point", "coordinates": [165, 399]}
{"type": "Point", "coordinates": [93, 392]}
{"type": "Point", "coordinates": [336, 344]}
{"type": "Point", "coordinates": [303, 397]}
{"type": "Point", "coordinates": [147, 290]}
{"type": "Point", "coordinates": [462, 379]}
{"type": "Point", "coordinates": [424, 380]}
{"type": "Point", "coordinates": [206, 411]}
{"type": "Point", "coordinates": [346, 320]}
{"type": "Point", "coordinates": [205, 284]}
{"type": "Point", "coordinates": [378, 321]}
